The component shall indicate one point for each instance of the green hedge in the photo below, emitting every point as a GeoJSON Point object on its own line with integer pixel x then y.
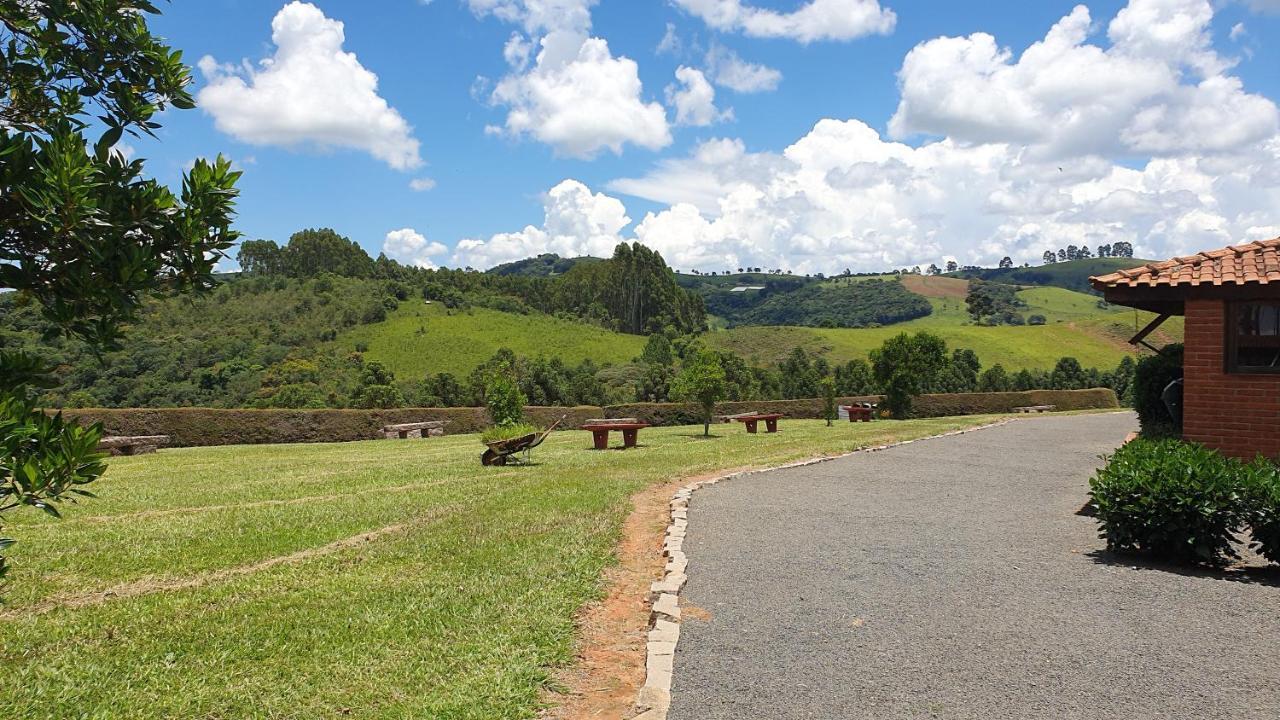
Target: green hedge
{"type": "Point", "coordinates": [989, 403]}
{"type": "Point", "coordinates": [210, 426]}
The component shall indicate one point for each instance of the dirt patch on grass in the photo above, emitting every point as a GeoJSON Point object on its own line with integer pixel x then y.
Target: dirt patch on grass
{"type": "Point", "coordinates": [148, 586]}
{"type": "Point", "coordinates": [936, 287]}
{"type": "Point", "coordinates": [612, 632]}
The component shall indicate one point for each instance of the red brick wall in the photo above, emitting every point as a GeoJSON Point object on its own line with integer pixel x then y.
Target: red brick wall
{"type": "Point", "coordinates": [1237, 414]}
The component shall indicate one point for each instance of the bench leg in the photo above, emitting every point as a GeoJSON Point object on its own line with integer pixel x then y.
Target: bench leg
{"type": "Point", "coordinates": [771, 426]}
{"type": "Point", "coordinates": [602, 439]}
{"type": "Point", "coordinates": [629, 438]}
{"type": "Point", "coordinates": [751, 426]}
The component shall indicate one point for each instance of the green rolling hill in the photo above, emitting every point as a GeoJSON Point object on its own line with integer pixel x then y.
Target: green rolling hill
{"type": "Point", "coordinates": [1071, 275]}
{"type": "Point", "coordinates": [417, 339]}
{"type": "Point", "coordinates": [1077, 326]}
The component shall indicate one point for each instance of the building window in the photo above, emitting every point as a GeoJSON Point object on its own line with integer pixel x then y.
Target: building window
{"type": "Point", "coordinates": [1253, 337]}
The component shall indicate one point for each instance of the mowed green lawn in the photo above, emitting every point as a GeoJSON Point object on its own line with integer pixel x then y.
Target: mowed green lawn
{"type": "Point", "coordinates": [386, 579]}
{"type": "Point", "coordinates": [418, 339]}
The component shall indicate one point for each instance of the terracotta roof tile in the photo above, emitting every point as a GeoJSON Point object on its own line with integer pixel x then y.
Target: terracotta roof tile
{"type": "Point", "coordinates": [1251, 263]}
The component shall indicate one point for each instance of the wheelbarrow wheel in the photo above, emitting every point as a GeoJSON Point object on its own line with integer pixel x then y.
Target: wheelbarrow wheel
{"type": "Point", "coordinates": [489, 457]}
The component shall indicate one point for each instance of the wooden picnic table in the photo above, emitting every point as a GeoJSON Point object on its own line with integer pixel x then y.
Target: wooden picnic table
{"type": "Point", "coordinates": [860, 413]}
{"type": "Point", "coordinates": [403, 431]}
{"type": "Point", "coordinates": [132, 444]}
{"type": "Point", "coordinates": [600, 432]}
{"type": "Point", "coordinates": [770, 421]}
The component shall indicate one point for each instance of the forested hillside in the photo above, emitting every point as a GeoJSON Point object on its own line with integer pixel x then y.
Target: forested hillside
{"type": "Point", "coordinates": [868, 303]}
{"type": "Point", "coordinates": [270, 336]}
{"type": "Point", "coordinates": [318, 323]}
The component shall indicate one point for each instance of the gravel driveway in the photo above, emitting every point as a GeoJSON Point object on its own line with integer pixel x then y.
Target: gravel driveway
{"type": "Point", "coordinates": [951, 578]}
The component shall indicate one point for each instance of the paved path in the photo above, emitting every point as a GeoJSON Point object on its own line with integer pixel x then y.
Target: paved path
{"type": "Point", "coordinates": [951, 579]}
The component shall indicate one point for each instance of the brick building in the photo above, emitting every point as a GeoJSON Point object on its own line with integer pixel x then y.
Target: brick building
{"type": "Point", "coordinates": [1231, 367]}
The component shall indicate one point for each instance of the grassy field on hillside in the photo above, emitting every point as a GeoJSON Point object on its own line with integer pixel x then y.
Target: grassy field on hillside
{"type": "Point", "coordinates": [1076, 326]}
{"type": "Point", "coordinates": [372, 579]}
{"type": "Point", "coordinates": [419, 339]}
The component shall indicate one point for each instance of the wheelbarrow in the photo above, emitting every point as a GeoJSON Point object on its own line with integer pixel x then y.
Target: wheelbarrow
{"type": "Point", "coordinates": [500, 452]}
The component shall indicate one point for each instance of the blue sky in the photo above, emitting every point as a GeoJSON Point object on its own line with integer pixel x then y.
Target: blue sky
{"type": "Point", "coordinates": [961, 153]}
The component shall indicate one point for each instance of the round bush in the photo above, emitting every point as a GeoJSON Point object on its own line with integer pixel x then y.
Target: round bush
{"type": "Point", "coordinates": [1264, 508]}
{"type": "Point", "coordinates": [1174, 500]}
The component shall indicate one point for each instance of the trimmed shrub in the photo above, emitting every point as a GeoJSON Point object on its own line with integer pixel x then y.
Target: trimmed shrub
{"type": "Point", "coordinates": [1152, 374]}
{"type": "Point", "coordinates": [1171, 499]}
{"type": "Point", "coordinates": [1263, 493]}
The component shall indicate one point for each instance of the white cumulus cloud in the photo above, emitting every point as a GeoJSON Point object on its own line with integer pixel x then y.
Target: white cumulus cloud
{"type": "Point", "coordinates": [814, 20]}
{"type": "Point", "coordinates": [729, 70]}
{"type": "Point", "coordinates": [411, 247]}
{"type": "Point", "coordinates": [576, 97]}
{"type": "Point", "coordinates": [576, 222]}
{"type": "Point", "coordinates": [421, 184]}
{"type": "Point", "coordinates": [694, 99]}
{"type": "Point", "coordinates": [1158, 89]}
{"type": "Point", "coordinates": [309, 92]}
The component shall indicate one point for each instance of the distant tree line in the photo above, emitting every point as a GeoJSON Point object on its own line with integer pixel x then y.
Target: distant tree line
{"type": "Point", "coordinates": [633, 292]}
{"type": "Point", "coordinates": [1119, 249]}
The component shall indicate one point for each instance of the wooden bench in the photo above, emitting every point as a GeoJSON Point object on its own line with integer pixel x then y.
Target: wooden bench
{"type": "Point", "coordinates": [1035, 409]}
{"type": "Point", "coordinates": [600, 430]}
{"type": "Point", "coordinates": [860, 413]}
{"type": "Point", "coordinates": [432, 428]}
{"type": "Point", "coordinates": [770, 421]}
{"type": "Point", "coordinates": [132, 444]}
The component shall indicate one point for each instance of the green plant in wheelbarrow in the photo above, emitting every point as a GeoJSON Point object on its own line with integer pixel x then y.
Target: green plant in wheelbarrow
{"type": "Point", "coordinates": [509, 435]}
{"type": "Point", "coordinates": [505, 443]}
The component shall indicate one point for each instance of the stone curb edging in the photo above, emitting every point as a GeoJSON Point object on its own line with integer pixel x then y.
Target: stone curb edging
{"type": "Point", "coordinates": [654, 699]}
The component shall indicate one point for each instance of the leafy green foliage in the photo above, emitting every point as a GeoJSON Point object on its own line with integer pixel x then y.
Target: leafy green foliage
{"type": "Point", "coordinates": [544, 265]}
{"type": "Point", "coordinates": [1175, 500]}
{"type": "Point", "coordinates": [43, 459]}
{"type": "Point", "coordinates": [828, 389]}
{"type": "Point", "coordinates": [855, 378]}
{"type": "Point", "coordinates": [83, 233]}
{"type": "Point", "coordinates": [1262, 488]}
{"type": "Point", "coordinates": [310, 253]}
{"type": "Point", "coordinates": [509, 431]}
{"type": "Point", "coordinates": [994, 303]}
{"type": "Point", "coordinates": [1150, 377]}
{"type": "Point", "coordinates": [701, 381]}
{"type": "Point", "coordinates": [634, 291]}
{"type": "Point", "coordinates": [865, 303]}
{"type": "Point", "coordinates": [905, 366]}
{"type": "Point", "coordinates": [503, 399]}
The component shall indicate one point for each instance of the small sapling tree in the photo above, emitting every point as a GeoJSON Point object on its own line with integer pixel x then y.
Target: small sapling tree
{"type": "Point", "coordinates": [701, 381]}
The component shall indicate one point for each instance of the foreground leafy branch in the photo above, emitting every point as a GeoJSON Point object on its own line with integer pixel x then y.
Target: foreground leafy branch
{"type": "Point", "coordinates": [83, 233]}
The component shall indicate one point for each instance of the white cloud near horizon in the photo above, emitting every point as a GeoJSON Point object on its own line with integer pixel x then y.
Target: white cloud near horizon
{"type": "Point", "coordinates": [1180, 159]}
{"type": "Point", "coordinates": [575, 222]}
{"type": "Point", "coordinates": [309, 92]}
{"type": "Point", "coordinates": [813, 21]}
{"type": "Point", "coordinates": [411, 247]}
